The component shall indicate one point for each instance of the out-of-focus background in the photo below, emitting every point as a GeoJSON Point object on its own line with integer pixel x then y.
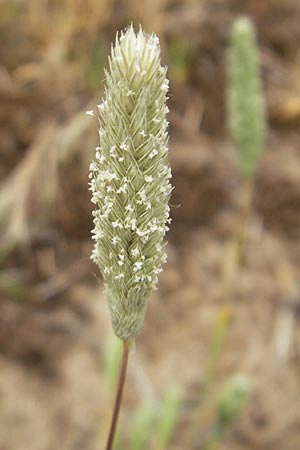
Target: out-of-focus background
{"type": "Point", "coordinates": [54, 323]}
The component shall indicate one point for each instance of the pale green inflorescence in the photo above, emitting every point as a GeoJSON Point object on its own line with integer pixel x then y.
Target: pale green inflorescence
{"type": "Point", "coordinates": [130, 179]}
{"type": "Point", "coordinates": [245, 99]}
{"type": "Point", "coordinates": [232, 401]}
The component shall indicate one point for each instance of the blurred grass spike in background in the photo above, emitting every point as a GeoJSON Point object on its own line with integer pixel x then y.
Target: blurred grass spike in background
{"type": "Point", "coordinates": [232, 401]}
{"type": "Point", "coordinates": [245, 99]}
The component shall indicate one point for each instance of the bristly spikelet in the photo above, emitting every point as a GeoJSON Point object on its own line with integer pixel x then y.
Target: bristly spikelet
{"type": "Point", "coordinates": [130, 179]}
{"type": "Point", "coordinates": [245, 99]}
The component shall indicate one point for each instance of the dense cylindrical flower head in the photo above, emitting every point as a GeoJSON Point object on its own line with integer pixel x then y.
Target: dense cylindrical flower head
{"type": "Point", "coordinates": [130, 178]}
{"type": "Point", "coordinates": [245, 99]}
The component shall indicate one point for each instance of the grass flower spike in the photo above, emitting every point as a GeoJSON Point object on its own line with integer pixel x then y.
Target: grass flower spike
{"type": "Point", "coordinates": [246, 104]}
{"type": "Point", "coordinates": [130, 179]}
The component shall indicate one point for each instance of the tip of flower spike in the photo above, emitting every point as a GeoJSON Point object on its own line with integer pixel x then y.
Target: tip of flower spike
{"type": "Point", "coordinates": [135, 43]}
{"type": "Point", "coordinates": [242, 25]}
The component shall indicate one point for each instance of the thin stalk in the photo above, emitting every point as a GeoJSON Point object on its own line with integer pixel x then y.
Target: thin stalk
{"type": "Point", "coordinates": [234, 259]}
{"type": "Point", "coordinates": [231, 276]}
{"type": "Point", "coordinates": [245, 213]}
{"type": "Point", "coordinates": [236, 249]}
{"type": "Point", "coordinates": [118, 400]}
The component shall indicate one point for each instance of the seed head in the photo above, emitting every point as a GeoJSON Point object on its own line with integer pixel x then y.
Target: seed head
{"type": "Point", "coordinates": [245, 100]}
{"type": "Point", "coordinates": [130, 178]}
